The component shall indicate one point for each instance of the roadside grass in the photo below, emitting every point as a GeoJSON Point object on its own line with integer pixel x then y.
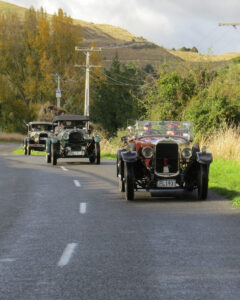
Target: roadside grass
{"type": "Point", "coordinates": [224, 179]}
{"type": "Point", "coordinates": [109, 156]}
{"type": "Point", "coordinates": [20, 151]}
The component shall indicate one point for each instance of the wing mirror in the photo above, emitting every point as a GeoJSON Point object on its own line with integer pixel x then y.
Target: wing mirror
{"type": "Point", "coordinates": [124, 139]}
{"type": "Point", "coordinates": [130, 128]}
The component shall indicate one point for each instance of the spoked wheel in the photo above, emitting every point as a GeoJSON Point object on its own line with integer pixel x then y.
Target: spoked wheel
{"type": "Point", "coordinates": [129, 182]}
{"type": "Point", "coordinates": [203, 182]}
{"type": "Point", "coordinates": [53, 155]}
{"type": "Point", "coordinates": [97, 154]}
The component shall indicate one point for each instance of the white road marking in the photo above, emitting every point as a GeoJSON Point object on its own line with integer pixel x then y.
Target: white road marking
{"type": "Point", "coordinates": [67, 254]}
{"type": "Point", "coordinates": [83, 208]}
{"type": "Point", "coordinates": [7, 260]}
{"type": "Point", "coordinates": [77, 183]}
{"type": "Point", "coordinates": [64, 169]}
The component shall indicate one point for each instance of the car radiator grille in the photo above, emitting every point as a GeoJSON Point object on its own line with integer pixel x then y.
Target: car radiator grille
{"type": "Point", "coordinates": [166, 155]}
{"type": "Point", "coordinates": [42, 135]}
{"type": "Point", "coordinates": [75, 137]}
{"type": "Point", "coordinates": [76, 140]}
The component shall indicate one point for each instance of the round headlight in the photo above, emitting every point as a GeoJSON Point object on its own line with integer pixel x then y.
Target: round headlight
{"type": "Point", "coordinates": [147, 152]}
{"type": "Point", "coordinates": [186, 153]}
{"type": "Point", "coordinates": [66, 135]}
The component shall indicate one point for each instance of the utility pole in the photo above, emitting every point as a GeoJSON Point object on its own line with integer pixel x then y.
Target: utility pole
{"type": "Point", "coordinates": [58, 91]}
{"type": "Point", "coordinates": [87, 52]}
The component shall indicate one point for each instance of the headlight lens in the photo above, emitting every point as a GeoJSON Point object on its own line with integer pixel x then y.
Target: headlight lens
{"type": "Point", "coordinates": [186, 153]}
{"type": "Point", "coordinates": [66, 136]}
{"type": "Point", "coordinates": [147, 152]}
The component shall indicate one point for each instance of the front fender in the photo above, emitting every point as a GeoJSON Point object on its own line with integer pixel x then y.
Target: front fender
{"type": "Point", "coordinates": [204, 158]}
{"type": "Point", "coordinates": [129, 157]}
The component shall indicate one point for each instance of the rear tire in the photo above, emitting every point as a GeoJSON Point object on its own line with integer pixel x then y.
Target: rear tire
{"type": "Point", "coordinates": [203, 182]}
{"type": "Point", "coordinates": [129, 182]}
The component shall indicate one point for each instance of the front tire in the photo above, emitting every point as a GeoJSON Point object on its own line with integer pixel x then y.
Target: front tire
{"type": "Point", "coordinates": [53, 154]}
{"type": "Point", "coordinates": [120, 172]}
{"type": "Point", "coordinates": [28, 149]}
{"type": "Point", "coordinates": [48, 158]}
{"type": "Point", "coordinates": [129, 182]}
{"type": "Point", "coordinates": [97, 154]}
{"type": "Point", "coordinates": [203, 182]}
{"type": "Point", "coordinates": [25, 149]}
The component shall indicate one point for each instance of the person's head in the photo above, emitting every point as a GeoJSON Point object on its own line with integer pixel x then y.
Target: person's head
{"type": "Point", "coordinates": [60, 124]}
{"type": "Point", "coordinates": [147, 126]}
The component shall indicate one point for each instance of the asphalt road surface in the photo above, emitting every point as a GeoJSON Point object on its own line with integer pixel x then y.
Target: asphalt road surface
{"type": "Point", "coordinates": [66, 232]}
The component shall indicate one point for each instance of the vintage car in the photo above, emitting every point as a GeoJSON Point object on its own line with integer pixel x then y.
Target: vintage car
{"type": "Point", "coordinates": [72, 140]}
{"type": "Point", "coordinates": [157, 157]}
{"type": "Point", "coordinates": [38, 132]}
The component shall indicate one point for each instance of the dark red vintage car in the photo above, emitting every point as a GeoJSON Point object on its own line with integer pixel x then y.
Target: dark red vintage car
{"type": "Point", "coordinates": [157, 156]}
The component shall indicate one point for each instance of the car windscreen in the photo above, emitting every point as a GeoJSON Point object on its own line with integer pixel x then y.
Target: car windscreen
{"type": "Point", "coordinates": [41, 127]}
{"type": "Point", "coordinates": [174, 128]}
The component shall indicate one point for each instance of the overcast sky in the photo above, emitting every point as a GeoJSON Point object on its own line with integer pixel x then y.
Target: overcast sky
{"type": "Point", "coordinates": [168, 23]}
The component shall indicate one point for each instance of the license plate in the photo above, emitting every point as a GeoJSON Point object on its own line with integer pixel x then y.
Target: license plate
{"type": "Point", "coordinates": [76, 153]}
{"type": "Point", "coordinates": [169, 183]}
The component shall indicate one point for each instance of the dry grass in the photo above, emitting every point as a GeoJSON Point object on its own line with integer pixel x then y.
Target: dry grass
{"type": "Point", "coordinates": [198, 57]}
{"type": "Point", "coordinates": [11, 137]}
{"type": "Point", "coordinates": [225, 143]}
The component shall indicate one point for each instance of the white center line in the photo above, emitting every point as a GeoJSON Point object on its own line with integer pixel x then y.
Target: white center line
{"type": "Point", "coordinates": [67, 254]}
{"type": "Point", "coordinates": [64, 169]}
{"type": "Point", "coordinates": [83, 208]}
{"type": "Point", "coordinates": [77, 183]}
{"type": "Point", "coordinates": [7, 260]}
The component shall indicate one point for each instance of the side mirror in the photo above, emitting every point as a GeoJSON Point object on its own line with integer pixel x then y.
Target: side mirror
{"type": "Point", "coordinates": [130, 128]}
{"type": "Point", "coordinates": [124, 139]}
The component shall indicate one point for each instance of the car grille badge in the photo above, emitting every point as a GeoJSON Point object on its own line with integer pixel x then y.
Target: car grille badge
{"type": "Point", "coordinates": [165, 169]}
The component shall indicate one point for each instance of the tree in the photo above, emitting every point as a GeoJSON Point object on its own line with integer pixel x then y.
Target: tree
{"type": "Point", "coordinates": [115, 99]}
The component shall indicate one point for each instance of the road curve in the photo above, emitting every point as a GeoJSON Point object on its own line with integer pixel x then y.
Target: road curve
{"type": "Point", "coordinates": [67, 233]}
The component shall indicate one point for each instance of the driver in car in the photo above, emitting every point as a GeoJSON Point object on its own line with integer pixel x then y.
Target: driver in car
{"type": "Point", "coordinates": [147, 128]}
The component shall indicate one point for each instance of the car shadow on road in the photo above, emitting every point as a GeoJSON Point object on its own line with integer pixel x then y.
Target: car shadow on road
{"type": "Point", "coordinates": [179, 196]}
{"type": "Point", "coordinates": [77, 163]}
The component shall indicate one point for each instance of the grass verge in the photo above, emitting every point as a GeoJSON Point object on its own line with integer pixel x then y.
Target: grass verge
{"type": "Point", "coordinates": [20, 151]}
{"type": "Point", "coordinates": [109, 156]}
{"type": "Point", "coordinates": [224, 179]}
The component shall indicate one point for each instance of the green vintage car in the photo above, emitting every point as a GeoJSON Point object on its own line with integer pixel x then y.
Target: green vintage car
{"type": "Point", "coordinates": [72, 140]}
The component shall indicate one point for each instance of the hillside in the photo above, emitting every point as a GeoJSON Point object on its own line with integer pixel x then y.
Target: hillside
{"type": "Point", "coordinates": [130, 48]}
{"type": "Point", "coordinates": [198, 57]}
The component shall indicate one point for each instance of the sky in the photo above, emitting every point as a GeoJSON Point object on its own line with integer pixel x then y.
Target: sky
{"type": "Point", "coordinates": [168, 23]}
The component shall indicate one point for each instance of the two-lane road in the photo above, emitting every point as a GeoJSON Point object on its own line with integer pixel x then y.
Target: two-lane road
{"type": "Point", "coordinates": [67, 233]}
